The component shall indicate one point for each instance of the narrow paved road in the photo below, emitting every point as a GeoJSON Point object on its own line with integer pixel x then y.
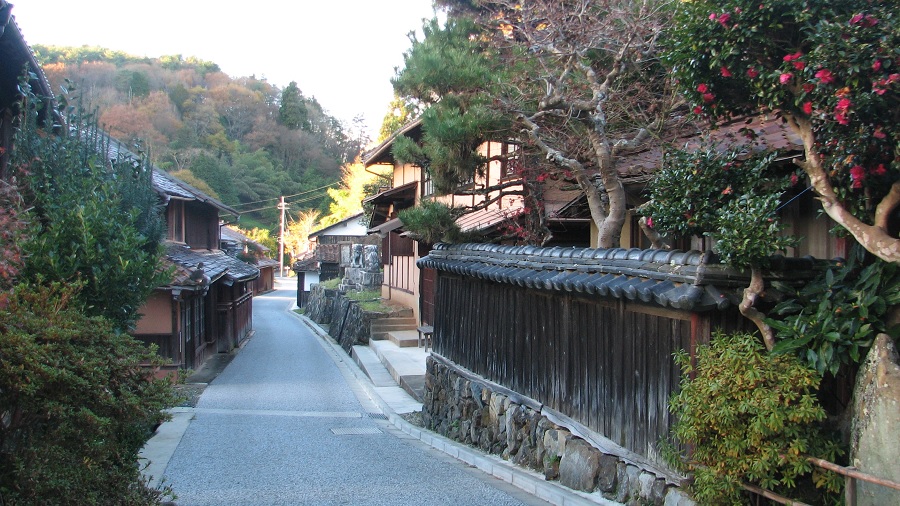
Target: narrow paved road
{"type": "Point", "coordinates": [282, 425]}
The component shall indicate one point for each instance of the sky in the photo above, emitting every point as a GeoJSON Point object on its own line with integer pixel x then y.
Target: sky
{"type": "Point", "coordinates": [342, 52]}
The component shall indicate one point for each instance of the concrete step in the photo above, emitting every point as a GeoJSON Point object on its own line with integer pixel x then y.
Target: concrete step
{"type": "Point", "coordinates": [371, 365]}
{"type": "Point", "coordinates": [397, 397]}
{"type": "Point", "coordinates": [392, 323]}
{"type": "Point", "coordinates": [404, 338]}
{"type": "Point", "coordinates": [405, 365]}
{"type": "Point", "coordinates": [379, 329]}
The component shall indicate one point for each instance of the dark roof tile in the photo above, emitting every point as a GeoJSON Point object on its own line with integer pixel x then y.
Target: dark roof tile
{"type": "Point", "coordinates": [687, 280]}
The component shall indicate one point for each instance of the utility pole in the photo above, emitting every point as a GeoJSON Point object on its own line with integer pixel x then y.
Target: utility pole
{"type": "Point", "coordinates": [282, 206]}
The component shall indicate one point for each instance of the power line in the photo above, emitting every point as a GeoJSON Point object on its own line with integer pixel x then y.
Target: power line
{"type": "Point", "coordinates": [301, 201]}
{"type": "Point", "coordinates": [286, 196]}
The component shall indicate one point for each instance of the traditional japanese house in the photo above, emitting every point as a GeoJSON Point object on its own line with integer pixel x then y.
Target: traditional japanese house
{"type": "Point", "coordinates": [207, 307]}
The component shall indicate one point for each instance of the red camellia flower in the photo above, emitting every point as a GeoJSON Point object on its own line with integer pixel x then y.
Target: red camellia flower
{"type": "Point", "coordinates": [725, 72]}
{"type": "Point", "coordinates": [723, 19]}
{"type": "Point", "coordinates": [807, 108]}
{"type": "Point", "coordinates": [825, 76]}
{"type": "Point", "coordinates": [857, 174]}
{"type": "Point", "coordinates": [702, 88]}
{"type": "Point", "coordinates": [794, 56]}
{"type": "Point", "coordinates": [794, 179]}
{"type": "Point", "coordinates": [786, 78]}
{"type": "Point", "coordinates": [698, 110]}
{"type": "Point", "coordinates": [878, 133]}
{"type": "Point", "coordinates": [809, 87]}
{"type": "Point", "coordinates": [841, 110]}
{"type": "Point", "coordinates": [876, 66]}
{"type": "Point", "coordinates": [713, 16]}
{"type": "Point", "coordinates": [752, 73]}
{"type": "Point", "coordinates": [708, 98]}
{"type": "Point", "coordinates": [799, 65]}
{"type": "Point", "coordinates": [865, 21]}
{"type": "Point", "coordinates": [649, 221]}
{"type": "Point", "coordinates": [880, 170]}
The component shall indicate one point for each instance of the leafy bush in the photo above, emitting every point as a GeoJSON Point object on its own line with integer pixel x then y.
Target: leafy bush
{"type": "Point", "coordinates": [434, 222]}
{"type": "Point", "coordinates": [77, 400]}
{"type": "Point", "coordinates": [95, 220]}
{"type": "Point", "coordinates": [724, 195]}
{"type": "Point", "coordinates": [833, 319]}
{"type": "Point", "coordinates": [749, 416]}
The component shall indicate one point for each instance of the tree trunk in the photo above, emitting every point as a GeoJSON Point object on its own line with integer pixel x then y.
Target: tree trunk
{"type": "Point", "coordinates": [610, 232]}
{"type": "Point", "coordinates": [751, 294]}
{"type": "Point", "coordinates": [872, 237]}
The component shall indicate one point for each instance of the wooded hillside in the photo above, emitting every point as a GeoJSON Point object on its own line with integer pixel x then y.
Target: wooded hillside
{"type": "Point", "coordinates": [243, 140]}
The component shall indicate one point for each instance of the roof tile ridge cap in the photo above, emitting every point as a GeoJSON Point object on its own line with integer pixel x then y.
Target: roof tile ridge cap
{"type": "Point", "coordinates": [705, 260]}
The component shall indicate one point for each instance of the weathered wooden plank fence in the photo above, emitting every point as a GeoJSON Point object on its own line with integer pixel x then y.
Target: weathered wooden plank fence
{"type": "Point", "coordinates": [587, 333]}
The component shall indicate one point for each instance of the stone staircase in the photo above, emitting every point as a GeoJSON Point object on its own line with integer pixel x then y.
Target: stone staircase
{"type": "Point", "coordinates": [400, 330]}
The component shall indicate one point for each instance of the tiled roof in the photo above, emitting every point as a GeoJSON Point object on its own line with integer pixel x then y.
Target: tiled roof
{"type": "Point", "coordinates": [382, 152]}
{"type": "Point", "coordinates": [691, 280]}
{"type": "Point", "coordinates": [216, 264]}
{"type": "Point", "coordinates": [306, 264]}
{"type": "Point", "coordinates": [762, 133]}
{"type": "Point", "coordinates": [232, 235]}
{"type": "Point", "coordinates": [484, 219]}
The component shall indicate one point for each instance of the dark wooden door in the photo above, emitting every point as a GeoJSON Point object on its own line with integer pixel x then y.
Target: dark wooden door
{"type": "Point", "coordinates": [426, 296]}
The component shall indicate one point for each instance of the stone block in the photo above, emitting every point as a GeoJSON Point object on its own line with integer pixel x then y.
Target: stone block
{"type": "Point", "coordinates": [497, 408]}
{"type": "Point", "coordinates": [874, 445]}
{"type": "Point", "coordinates": [608, 473]}
{"type": "Point", "coordinates": [579, 466]}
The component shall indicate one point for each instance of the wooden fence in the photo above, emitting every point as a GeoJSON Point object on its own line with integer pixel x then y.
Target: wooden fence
{"type": "Point", "coordinates": [588, 333]}
{"type": "Point", "coordinates": [606, 363]}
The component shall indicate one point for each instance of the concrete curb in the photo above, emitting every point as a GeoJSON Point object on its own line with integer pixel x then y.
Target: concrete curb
{"type": "Point", "coordinates": [529, 481]}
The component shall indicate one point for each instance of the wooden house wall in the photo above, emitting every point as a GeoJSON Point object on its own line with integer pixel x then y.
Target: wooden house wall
{"type": "Point", "coordinates": [201, 227]}
{"type": "Point", "coordinates": [605, 363]}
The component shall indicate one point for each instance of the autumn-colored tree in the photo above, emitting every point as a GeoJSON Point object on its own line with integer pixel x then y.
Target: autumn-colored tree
{"type": "Point", "coordinates": [356, 184]}
{"type": "Point", "coordinates": [830, 71]}
{"type": "Point", "coordinates": [296, 234]}
{"type": "Point", "coordinates": [238, 108]}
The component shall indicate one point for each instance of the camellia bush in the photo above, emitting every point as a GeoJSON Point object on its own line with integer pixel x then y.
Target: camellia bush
{"type": "Point", "coordinates": [732, 198]}
{"type": "Point", "coordinates": [831, 70]}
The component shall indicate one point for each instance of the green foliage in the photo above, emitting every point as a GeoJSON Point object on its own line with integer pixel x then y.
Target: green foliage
{"type": "Point", "coordinates": [78, 400]}
{"type": "Point", "coordinates": [832, 63]}
{"type": "Point", "coordinates": [94, 222]}
{"type": "Point", "coordinates": [330, 284]}
{"type": "Point", "coordinates": [292, 112]}
{"type": "Point", "coordinates": [450, 70]}
{"type": "Point", "coordinates": [833, 320]}
{"type": "Point", "coordinates": [723, 195]}
{"type": "Point", "coordinates": [434, 222]}
{"type": "Point", "coordinates": [133, 83]}
{"type": "Point", "coordinates": [749, 416]}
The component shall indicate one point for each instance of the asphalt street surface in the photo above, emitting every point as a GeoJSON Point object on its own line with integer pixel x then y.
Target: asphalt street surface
{"type": "Point", "coordinates": [281, 425]}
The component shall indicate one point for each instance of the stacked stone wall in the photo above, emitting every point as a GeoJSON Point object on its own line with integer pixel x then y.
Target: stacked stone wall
{"type": "Point", "coordinates": [468, 411]}
{"type": "Point", "coordinates": [320, 304]}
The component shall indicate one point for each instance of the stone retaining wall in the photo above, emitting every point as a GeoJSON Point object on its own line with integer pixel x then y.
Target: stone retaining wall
{"type": "Point", "coordinates": [468, 411]}
{"type": "Point", "coordinates": [347, 322]}
{"type": "Point", "coordinates": [319, 306]}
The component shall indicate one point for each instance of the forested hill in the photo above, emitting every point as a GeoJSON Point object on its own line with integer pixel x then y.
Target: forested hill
{"type": "Point", "coordinates": [242, 139]}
